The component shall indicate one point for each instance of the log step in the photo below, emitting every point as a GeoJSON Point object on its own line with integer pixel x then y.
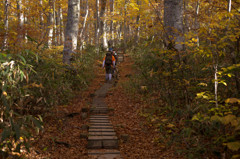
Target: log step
{"type": "Point", "coordinates": [104, 154]}
{"type": "Point", "coordinates": [102, 142]}
{"type": "Point", "coordinates": [100, 130]}
{"type": "Point", "coordinates": [102, 133]}
{"type": "Point", "coordinates": [101, 127]}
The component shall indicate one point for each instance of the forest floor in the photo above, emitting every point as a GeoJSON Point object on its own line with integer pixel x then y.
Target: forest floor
{"type": "Point", "coordinates": [63, 126]}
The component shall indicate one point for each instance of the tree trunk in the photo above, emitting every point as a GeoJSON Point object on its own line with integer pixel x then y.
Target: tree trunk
{"type": "Point", "coordinates": [196, 23]}
{"type": "Point", "coordinates": [50, 24]}
{"type": "Point", "coordinates": [84, 25]}
{"type": "Point", "coordinates": [54, 24]}
{"type": "Point", "coordinates": [97, 25]}
{"type": "Point", "coordinates": [137, 29]}
{"type": "Point", "coordinates": [71, 31]}
{"type": "Point", "coordinates": [173, 23]}
{"type": "Point", "coordinates": [5, 38]}
{"type": "Point", "coordinates": [125, 27]}
{"type": "Point", "coordinates": [111, 41]}
{"type": "Point", "coordinates": [20, 21]}
{"type": "Point", "coordinates": [26, 32]}
{"type": "Point", "coordinates": [41, 20]}
{"type": "Point", "coordinates": [105, 41]}
{"type": "Point", "coordinates": [234, 55]}
{"type": "Point", "coordinates": [103, 25]}
{"type": "Point", "coordinates": [62, 39]}
{"type": "Point", "coordinates": [58, 29]}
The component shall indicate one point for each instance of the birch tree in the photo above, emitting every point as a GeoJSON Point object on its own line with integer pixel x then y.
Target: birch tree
{"type": "Point", "coordinates": [97, 24]}
{"type": "Point", "coordinates": [50, 24]}
{"type": "Point", "coordinates": [5, 38]}
{"type": "Point", "coordinates": [136, 38]}
{"type": "Point", "coordinates": [103, 24]}
{"type": "Point", "coordinates": [84, 24]}
{"type": "Point", "coordinates": [173, 22]}
{"type": "Point", "coordinates": [111, 23]}
{"type": "Point", "coordinates": [61, 25]}
{"type": "Point", "coordinates": [71, 30]}
{"type": "Point", "coordinates": [20, 21]}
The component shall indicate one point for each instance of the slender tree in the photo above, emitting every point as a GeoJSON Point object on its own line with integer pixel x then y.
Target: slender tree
{"type": "Point", "coordinates": [103, 24]}
{"type": "Point", "coordinates": [20, 21]}
{"type": "Point", "coordinates": [97, 28]}
{"type": "Point", "coordinates": [84, 24]}
{"type": "Point", "coordinates": [50, 23]}
{"type": "Point", "coordinates": [5, 38]}
{"type": "Point", "coordinates": [61, 25]}
{"type": "Point", "coordinates": [71, 30]}
{"type": "Point", "coordinates": [173, 21]}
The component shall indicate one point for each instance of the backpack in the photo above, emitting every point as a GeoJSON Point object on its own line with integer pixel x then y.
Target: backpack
{"type": "Point", "coordinates": [108, 59]}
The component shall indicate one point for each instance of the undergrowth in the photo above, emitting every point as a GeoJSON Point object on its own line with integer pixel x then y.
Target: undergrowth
{"type": "Point", "coordinates": [181, 103]}
{"type": "Point", "coordinates": [33, 81]}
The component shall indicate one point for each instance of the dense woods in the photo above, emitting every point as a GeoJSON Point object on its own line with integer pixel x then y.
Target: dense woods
{"type": "Point", "coordinates": [186, 57]}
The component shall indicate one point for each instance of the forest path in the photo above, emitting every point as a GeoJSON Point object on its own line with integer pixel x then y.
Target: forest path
{"type": "Point", "coordinates": [65, 131]}
{"type": "Point", "coordinates": [102, 139]}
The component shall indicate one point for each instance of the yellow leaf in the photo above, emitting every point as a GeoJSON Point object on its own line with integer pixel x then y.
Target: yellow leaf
{"type": "Point", "coordinates": [228, 119]}
{"type": "Point", "coordinates": [164, 120]}
{"type": "Point", "coordinates": [234, 146]}
{"type": "Point", "coordinates": [4, 93]}
{"type": "Point", "coordinates": [170, 125]}
{"type": "Point", "coordinates": [194, 40]}
{"type": "Point", "coordinates": [216, 118]}
{"type": "Point", "coordinates": [235, 123]}
{"type": "Point", "coordinates": [232, 100]}
{"type": "Point", "coordinates": [143, 88]}
{"type": "Point", "coordinates": [195, 117]}
{"type": "Point", "coordinates": [235, 156]}
{"type": "Point", "coordinates": [202, 84]}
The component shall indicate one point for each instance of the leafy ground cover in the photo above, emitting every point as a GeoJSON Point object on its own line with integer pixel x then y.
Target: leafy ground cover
{"type": "Point", "coordinates": [61, 136]}
{"type": "Point", "coordinates": [128, 122]}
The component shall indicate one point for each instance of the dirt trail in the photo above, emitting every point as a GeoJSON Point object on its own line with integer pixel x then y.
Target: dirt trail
{"type": "Point", "coordinates": [128, 123]}
{"type": "Point", "coordinates": [63, 127]}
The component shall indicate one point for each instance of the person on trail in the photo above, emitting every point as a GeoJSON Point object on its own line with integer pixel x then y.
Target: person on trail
{"type": "Point", "coordinates": [108, 61]}
{"type": "Point", "coordinates": [115, 56]}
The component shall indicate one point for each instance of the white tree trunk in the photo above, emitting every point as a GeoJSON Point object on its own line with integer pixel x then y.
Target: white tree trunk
{"type": "Point", "coordinates": [26, 33]}
{"type": "Point", "coordinates": [173, 22]}
{"type": "Point", "coordinates": [97, 24]}
{"type": "Point", "coordinates": [111, 24]}
{"type": "Point", "coordinates": [50, 24]}
{"type": "Point", "coordinates": [62, 38]}
{"type": "Point", "coordinates": [54, 23]}
{"type": "Point", "coordinates": [125, 27]}
{"type": "Point", "coordinates": [71, 31]}
{"type": "Point", "coordinates": [20, 21]}
{"type": "Point", "coordinates": [137, 29]}
{"type": "Point", "coordinates": [41, 20]}
{"type": "Point", "coordinates": [105, 41]}
{"type": "Point", "coordinates": [84, 22]}
{"type": "Point", "coordinates": [58, 29]}
{"type": "Point", "coordinates": [103, 25]}
{"type": "Point", "coordinates": [216, 83]}
{"type": "Point", "coordinates": [5, 38]}
{"type": "Point", "coordinates": [229, 5]}
{"type": "Point", "coordinates": [196, 21]}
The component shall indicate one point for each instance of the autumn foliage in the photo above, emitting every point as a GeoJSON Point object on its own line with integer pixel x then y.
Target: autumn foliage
{"type": "Point", "coordinates": [186, 65]}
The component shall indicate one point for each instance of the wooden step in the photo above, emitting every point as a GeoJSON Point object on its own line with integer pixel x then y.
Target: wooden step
{"type": "Point", "coordinates": [101, 127]}
{"type": "Point", "coordinates": [102, 142]}
{"type": "Point", "coordinates": [102, 133]}
{"type": "Point", "coordinates": [104, 154]}
{"type": "Point", "coordinates": [101, 130]}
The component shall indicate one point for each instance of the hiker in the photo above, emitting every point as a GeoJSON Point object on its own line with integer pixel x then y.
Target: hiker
{"type": "Point", "coordinates": [108, 61]}
{"type": "Point", "coordinates": [115, 56]}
